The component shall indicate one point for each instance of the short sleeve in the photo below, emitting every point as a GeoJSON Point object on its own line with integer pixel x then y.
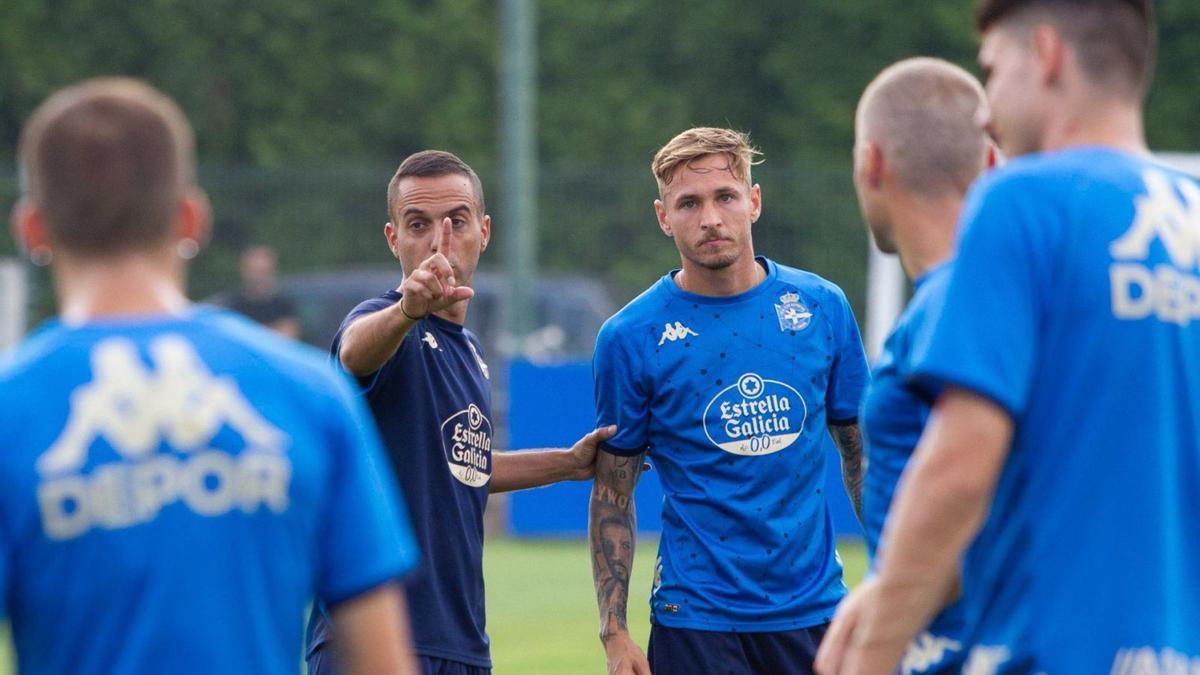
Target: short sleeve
{"type": "Point", "coordinates": [621, 397]}
{"type": "Point", "coordinates": [986, 337]}
{"type": "Point", "coordinates": [364, 308]}
{"type": "Point", "coordinates": [366, 536]}
{"type": "Point", "coordinates": [850, 373]}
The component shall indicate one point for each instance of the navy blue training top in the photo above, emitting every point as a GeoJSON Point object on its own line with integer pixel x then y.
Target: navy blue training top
{"type": "Point", "coordinates": [432, 403]}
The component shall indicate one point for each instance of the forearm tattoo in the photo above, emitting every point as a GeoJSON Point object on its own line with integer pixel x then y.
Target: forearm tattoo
{"type": "Point", "coordinates": [612, 534]}
{"type": "Point", "coordinates": [848, 439]}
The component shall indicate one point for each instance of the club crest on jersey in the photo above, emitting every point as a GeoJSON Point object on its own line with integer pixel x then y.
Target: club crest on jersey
{"type": "Point", "coordinates": [467, 442]}
{"type": "Point", "coordinates": [755, 416]}
{"type": "Point", "coordinates": [158, 422]}
{"type": "Point", "coordinates": [792, 315]}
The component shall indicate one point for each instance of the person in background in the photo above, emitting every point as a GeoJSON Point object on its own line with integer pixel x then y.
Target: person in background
{"type": "Point", "coordinates": [259, 298]}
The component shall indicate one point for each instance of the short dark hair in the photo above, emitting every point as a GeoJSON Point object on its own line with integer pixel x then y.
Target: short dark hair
{"type": "Point", "coordinates": [431, 164]}
{"type": "Point", "coordinates": [1113, 38]}
{"type": "Point", "coordinates": [107, 161]}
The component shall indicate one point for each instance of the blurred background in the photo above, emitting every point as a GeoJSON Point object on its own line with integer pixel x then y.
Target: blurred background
{"type": "Point", "coordinates": [303, 109]}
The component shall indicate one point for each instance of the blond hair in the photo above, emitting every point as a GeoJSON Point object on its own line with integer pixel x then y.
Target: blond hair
{"type": "Point", "coordinates": [701, 142]}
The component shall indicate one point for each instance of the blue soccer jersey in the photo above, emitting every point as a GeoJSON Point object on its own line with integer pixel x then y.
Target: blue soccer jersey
{"type": "Point", "coordinates": [432, 402]}
{"type": "Point", "coordinates": [893, 416]}
{"type": "Point", "coordinates": [731, 397]}
{"type": "Point", "coordinates": [176, 490]}
{"type": "Point", "coordinates": [1074, 304]}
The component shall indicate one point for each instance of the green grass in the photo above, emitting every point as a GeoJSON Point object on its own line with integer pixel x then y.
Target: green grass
{"type": "Point", "coordinates": [542, 615]}
{"type": "Point", "coordinates": [541, 608]}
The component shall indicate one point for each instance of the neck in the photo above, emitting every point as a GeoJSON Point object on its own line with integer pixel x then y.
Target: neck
{"type": "Point", "coordinates": [129, 285]}
{"type": "Point", "coordinates": [737, 278]}
{"type": "Point", "coordinates": [924, 230]}
{"type": "Point", "coordinates": [1112, 124]}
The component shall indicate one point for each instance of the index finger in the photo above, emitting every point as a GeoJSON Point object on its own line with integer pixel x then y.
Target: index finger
{"type": "Point", "coordinates": [444, 239]}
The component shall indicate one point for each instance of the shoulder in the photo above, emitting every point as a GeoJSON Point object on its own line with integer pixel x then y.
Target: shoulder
{"type": "Point", "coordinates": [812, 285]}
{"type": "Point", "coordinates": [305, 368]}
{"type": "Point", "coordinates": [23, 364]}
{"type": "Point", "coordinates": [370, 305]}
{"type": "Point", "coordinates": [640, 312]}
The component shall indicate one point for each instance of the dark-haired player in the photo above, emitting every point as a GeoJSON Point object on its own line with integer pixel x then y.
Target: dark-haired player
{"type": "Point", "coordinates": [427, 383]}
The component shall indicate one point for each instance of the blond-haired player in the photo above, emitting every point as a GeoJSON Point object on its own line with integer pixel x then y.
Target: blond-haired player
{"type": "Point", "coordinates": [730, 373]}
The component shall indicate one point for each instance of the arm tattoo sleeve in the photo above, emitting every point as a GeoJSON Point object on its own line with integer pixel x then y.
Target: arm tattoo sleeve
{"type": "Point", "coordinates": [612, 534]}
{"type": "Point", "coordinates": [848, 439]}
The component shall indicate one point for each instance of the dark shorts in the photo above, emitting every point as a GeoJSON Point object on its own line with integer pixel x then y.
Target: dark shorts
{"type": "Point", "coordinates": [682, 651]}
{"type": "Point", "coordinates": [321, 662]}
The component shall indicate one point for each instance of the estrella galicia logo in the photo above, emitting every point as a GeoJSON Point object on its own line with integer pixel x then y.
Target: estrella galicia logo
{"type": "Point", "coordinates": [792, 315]}
{"type": "Point", "coordinates": [755, 416]}
{"type": "Point", "coordinates": [467, 442]}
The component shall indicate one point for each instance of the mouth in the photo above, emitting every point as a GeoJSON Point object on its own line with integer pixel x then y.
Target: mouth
{"type": "Point", "coordinates": [713, 243]}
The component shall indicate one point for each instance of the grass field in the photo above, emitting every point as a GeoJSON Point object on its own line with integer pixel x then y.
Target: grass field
{"type": "Point", "coordinates": [541, 609]}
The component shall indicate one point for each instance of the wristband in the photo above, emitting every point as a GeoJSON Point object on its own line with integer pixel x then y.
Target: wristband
{"type": "Point", "coordinates": [408, 316]}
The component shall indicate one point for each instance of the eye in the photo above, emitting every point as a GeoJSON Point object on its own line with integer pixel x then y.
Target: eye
{"type": "Point", "coordinates": [458, 222]}
{"type": "Point", "coordinates": [417, 225]}
{"type": "Point", "coordinates": [726, 198]}
{"type": "Point", "coordinates": [687, 204]}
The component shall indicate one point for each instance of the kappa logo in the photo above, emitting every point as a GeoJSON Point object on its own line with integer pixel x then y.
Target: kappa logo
{"type": "Point", "coordinates": [1169, 213]}
{"type": "Point", "coordinates": [430, 340]}
{"type": "Point", "coordinates": [1150, 661]}
{"type": "Point", "coordinates": [467, 442]}
{"type": "Point", "coordinates": [925, 651]}
{"type": "Point", "coordinates": [792, 315]}
{"type": "Point", "coordinates": [677, 331]}
{"type": "Point", "coordinates": [986, 659]}
{"type": "Point", "coordinates": [146, 415]}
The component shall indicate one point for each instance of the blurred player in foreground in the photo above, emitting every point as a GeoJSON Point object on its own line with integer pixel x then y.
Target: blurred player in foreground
{"type": "Point", "coordinates": [428, 386]}
{"type": "Point", "coordinates": [1064, 440]}
{"type": "Point", "coordinates": [918, 147]}
{"type": "Point", "coordinates": [730, 373]}
{"type": "Point", "coordinates": [178, 482]}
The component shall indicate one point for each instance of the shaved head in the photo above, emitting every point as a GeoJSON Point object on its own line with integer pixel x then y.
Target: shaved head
{"type": "Point", "coordinates": [924, 115]}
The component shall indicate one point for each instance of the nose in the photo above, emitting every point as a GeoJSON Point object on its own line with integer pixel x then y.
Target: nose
{"type": "Point", "coordinates": [710, 217]}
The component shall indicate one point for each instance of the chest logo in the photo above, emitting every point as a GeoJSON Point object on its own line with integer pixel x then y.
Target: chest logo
{"type": "Point", "coordinates": [467, 442]}
{"type": "Point", "coordinates": [755, 416]}
{"type": "Point", "coordinates": [792, 315]}
{"type": "Point", "coordinates": [675, 331]}
{"type": "Point", "coordinates": [430, 340]}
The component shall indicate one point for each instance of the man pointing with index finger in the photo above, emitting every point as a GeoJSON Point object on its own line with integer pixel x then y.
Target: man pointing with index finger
{"type": "Point", "coordinates": [432, 401]}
